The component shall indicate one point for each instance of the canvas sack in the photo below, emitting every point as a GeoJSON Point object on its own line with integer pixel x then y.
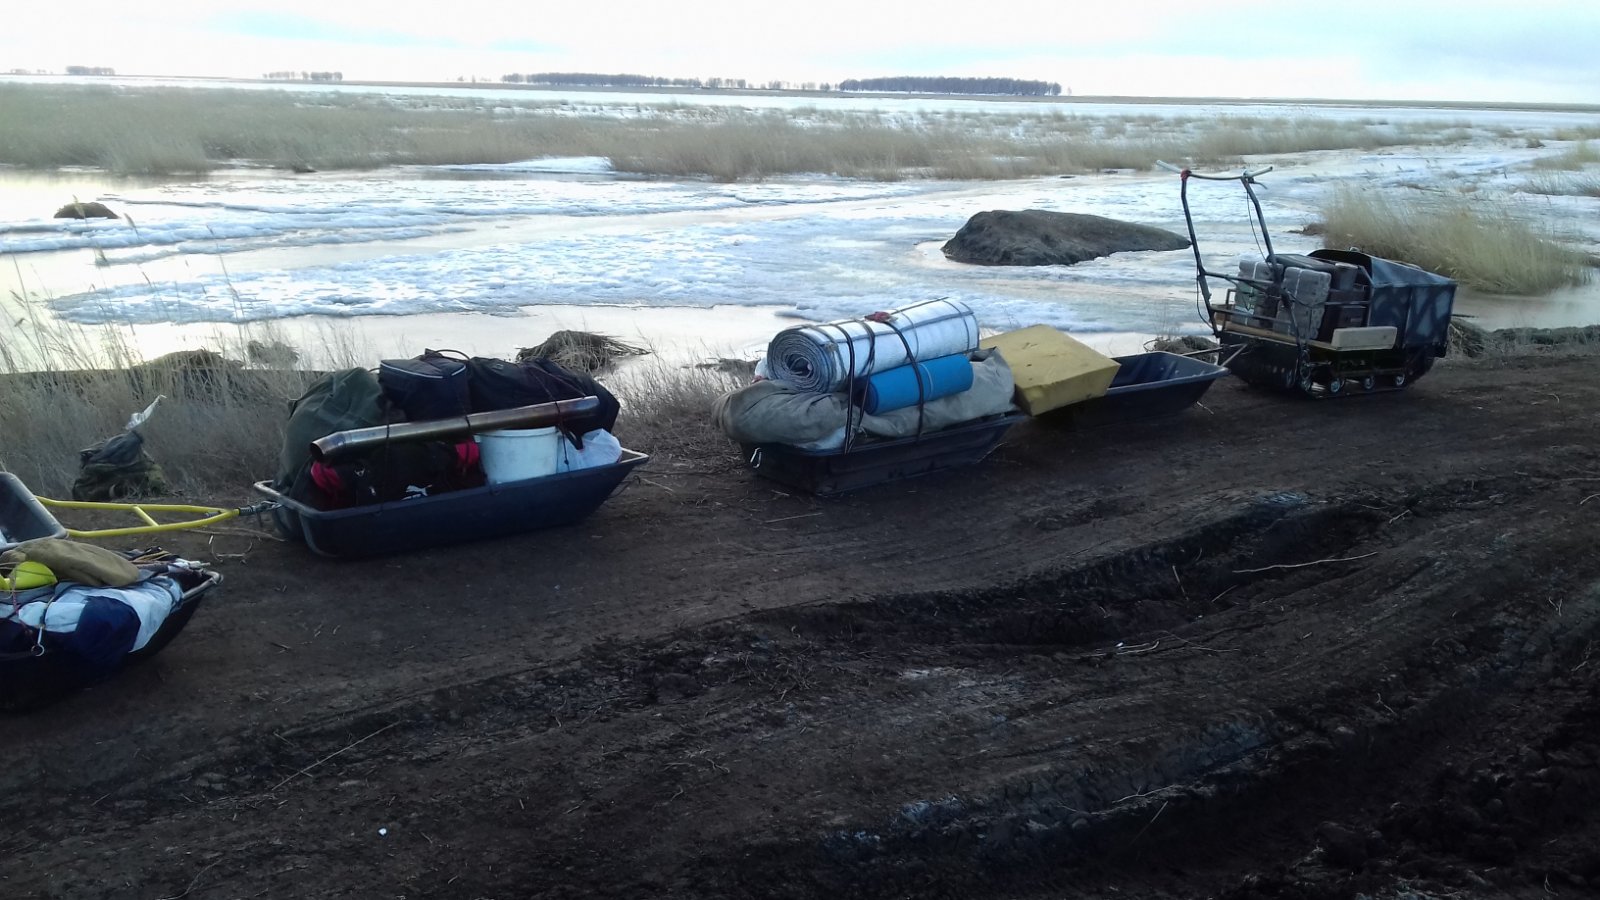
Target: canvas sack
{"type": "Point", "coordinates": [431, 386]}
{"type": "Point", "coordinates": [500, 384]}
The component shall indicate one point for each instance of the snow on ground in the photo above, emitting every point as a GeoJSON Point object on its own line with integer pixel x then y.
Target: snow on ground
{"type": "Point", "coordinates": [553, 233]}
{"type": "Point", "coordinates": [816, 248]}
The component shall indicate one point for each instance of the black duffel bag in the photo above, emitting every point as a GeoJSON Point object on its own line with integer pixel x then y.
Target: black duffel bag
{"type": "Point", "coordinates": [432, 386]}
{"type": "Point", "coordinates": [500, 384]}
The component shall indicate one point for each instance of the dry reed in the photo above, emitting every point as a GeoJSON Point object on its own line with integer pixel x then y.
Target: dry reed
{"type": "Point", "coordinates": [582, 351]}
{"type": "Point", "coordinates": [1488, 243]}
{"type": "Point", "coordinates": [163, 130]}
{"type": "Point", "coordinates": [667, 408]}
{"type": "Point", "coordinates": [221, 425]}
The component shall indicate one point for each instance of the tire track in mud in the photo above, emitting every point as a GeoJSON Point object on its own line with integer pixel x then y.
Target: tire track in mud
{"type": "Point", "coordinates": [1228, 776]}
{"type": "Point", "coordinates": [571, 686]}
{"type": "Point", "coordinates": [1051, 741]}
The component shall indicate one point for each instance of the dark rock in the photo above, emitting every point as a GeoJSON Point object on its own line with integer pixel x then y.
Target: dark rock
{"type": "Point", "coordinates": [581, 351]}
{"type": "Point", "coordinates": [90, 210]}
{"type": "Point", "coordinates": [1342, 846]}
{"type": "Point", "coordinates": [1189, 343]}
{"type": "Point", "coordinates": [187, 374]}
{"type": "Point", "coordinates": [272, 353]}
{"type": "Point", "coordinates": [1548, 337]}
{"type": "Point", "coordinates": [1037, 237]}
{"type": "Point", "coordinates": [1467, 339]}
{"type": "Point", "coordinates": [742, 368]}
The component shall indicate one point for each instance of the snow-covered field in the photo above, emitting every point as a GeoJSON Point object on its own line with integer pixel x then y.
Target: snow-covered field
{"type": "Point", "coordinates": [488, 258]}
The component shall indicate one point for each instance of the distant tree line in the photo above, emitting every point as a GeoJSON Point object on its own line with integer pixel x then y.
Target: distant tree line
{"type": "Point", "coordinates": [91, 70]}
{"type": "Point", "coordinates": [594, 79]}
{"type": "Point", "coordinates": [304, 76]}
{"type": "Point", "coordinates": [923, 84]}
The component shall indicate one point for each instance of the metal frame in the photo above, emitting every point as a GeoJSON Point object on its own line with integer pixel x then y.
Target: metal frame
{"type": "Point", "coordinates": [209, 515]}
{"type": "Point", "coordinates": [1284, 360]}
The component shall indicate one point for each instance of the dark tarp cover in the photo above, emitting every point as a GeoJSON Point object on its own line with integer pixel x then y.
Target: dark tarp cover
{"type": "Point", "coordinates": [1415, 301]}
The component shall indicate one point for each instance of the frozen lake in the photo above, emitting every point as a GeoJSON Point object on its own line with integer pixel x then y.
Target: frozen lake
{"type": "Point", "coordinates": [489, 258]}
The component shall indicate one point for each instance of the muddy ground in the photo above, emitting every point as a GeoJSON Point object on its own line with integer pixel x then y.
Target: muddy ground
{"type": "Point", "coordinates": [1272, 648]}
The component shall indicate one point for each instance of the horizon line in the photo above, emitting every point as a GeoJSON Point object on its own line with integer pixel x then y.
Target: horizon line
{"type": "Point", "coordinates": [464, 81]}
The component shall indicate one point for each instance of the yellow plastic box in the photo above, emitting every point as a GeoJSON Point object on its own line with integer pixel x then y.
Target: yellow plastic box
{"type": "Point", "coordinates": [1051, 368]}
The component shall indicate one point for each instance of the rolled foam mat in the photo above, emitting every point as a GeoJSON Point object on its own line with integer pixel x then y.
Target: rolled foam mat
{"type": "Point", "coordinates": [822, 358]}
{"type": "Point", "coordinates": [897, 388]}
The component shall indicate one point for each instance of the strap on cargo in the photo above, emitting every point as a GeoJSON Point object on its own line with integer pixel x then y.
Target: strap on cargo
{"type": "Point", "coordinates": [850, 379]}
{"type": "Point", "coordinates": [911, 361]}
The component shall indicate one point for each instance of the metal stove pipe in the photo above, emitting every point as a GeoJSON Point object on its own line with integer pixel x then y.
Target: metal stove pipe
{"type": "Point", "coordinates": [341, 444]}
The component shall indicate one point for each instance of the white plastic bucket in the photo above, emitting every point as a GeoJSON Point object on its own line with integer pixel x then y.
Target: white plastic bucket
{"type": "Point", "coordinates": [517, 454]}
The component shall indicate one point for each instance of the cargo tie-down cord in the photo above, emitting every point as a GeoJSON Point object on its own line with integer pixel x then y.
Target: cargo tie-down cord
{"type": "Point", "coordinates": [37, 649]}
{"type": "Point", "coordinates": [850, 379]}
{"type": "Point", "coordinates": [850, 419]}
{"type": "Point", "coordinates": [911, 360]}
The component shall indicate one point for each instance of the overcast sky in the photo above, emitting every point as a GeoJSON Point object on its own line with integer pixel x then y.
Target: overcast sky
{"type": "Point", "coordinates": [1529, 50]}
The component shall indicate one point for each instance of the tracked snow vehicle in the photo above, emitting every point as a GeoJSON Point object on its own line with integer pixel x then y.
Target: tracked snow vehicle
{"type": "Point", "coordinates": [1325, 323]}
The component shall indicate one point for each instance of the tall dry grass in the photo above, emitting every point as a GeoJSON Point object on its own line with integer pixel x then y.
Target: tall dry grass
{"type": "Point", "coordinates": [165, 130]}
{"type": "Point", "coordinates": [221, 424]}
{"type": "Point", "coordinates": [1573, 158]}
{"type": "Point", "coordinates": [218, 427]}
{"type": "Point", "coordinates": [170, 130]}
{"type": "Point", "coordinates": [666, 409]}
{"type": "Point", "coordinates": [1488, 242]}
{"type": "Point", "coordinates": [1564, 184]}
{"type": "Point", "coordinates": [1576, 133]}
{"type": "Point", "coordinates": [1235, 137]}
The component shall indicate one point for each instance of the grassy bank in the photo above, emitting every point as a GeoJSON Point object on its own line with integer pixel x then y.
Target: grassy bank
{"type": "Point", "coordinates": [172, 130]}
{"type": "Point", "coordinates": [1488, 243]}
{"type": "Point", "coordinates": [1565, 184]}
{"type": "Point", "coordinates": [1468, 340]}
{"type": "Point", "coordinates": [221, 424]}
{"type": "Point", "coordinates": [218, 428]}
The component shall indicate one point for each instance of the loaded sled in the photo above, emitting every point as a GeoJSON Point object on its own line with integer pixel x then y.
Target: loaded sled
{"type": "Point", "coordinates": [1325, 323]}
